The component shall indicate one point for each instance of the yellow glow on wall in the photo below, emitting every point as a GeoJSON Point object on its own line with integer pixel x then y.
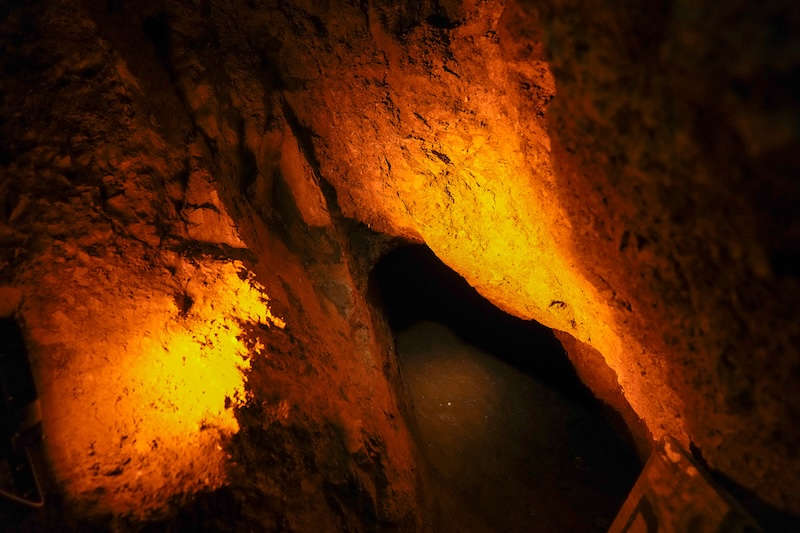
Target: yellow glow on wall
{"type": "Point", "coordinates": [142, 402]}
{"type": "Point", "coordinates": [460, 166]}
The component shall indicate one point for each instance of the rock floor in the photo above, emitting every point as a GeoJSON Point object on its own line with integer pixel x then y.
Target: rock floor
{"type": "Point", "coordinates": [505, 451]}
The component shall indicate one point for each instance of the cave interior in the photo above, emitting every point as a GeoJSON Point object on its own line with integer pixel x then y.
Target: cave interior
{"type": "Point", "coordinates": [435, 265]}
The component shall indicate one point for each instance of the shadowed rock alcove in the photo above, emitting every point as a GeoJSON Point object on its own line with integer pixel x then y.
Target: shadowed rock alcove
{"type": "Point", "coordinates": [513, 440]}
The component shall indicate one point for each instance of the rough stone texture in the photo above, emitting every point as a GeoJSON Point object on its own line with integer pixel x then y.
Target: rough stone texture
{"type": "Point", "coordinates": [674, 142]}
{"type": "Point", "coordinates": [142, 297]}
{"type": "Point", "coordinates": [663, 238]}
{"type": "Point", "coordinates": [623, 172]}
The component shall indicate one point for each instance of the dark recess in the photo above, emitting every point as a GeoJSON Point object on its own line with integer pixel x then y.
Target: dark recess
{"type": "Point", "coordinates": [595, 452]}
{"type": "Point", "coordinates": [413, 285]}
{"type": "Point", "coordinates": [770, 518]}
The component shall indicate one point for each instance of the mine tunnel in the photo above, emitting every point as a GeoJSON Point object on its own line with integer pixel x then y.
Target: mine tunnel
{"type": "Point", "coordinates": [399, 266]}
{"type": "Point", "coordinates": [512, 438]}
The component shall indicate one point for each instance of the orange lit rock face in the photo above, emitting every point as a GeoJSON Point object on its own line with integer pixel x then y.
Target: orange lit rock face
{"type": "Point", "coordinates": [195, 316]}
{"type": "Point", "coordinates": [606, 215]}
{"type": "Point", "coordinates": [439, 135]}
{"type": "Point", "coordinates": [135, 307]}
{"type": "Point", "coordinates": [139, 376]}
{"type": "Point", "coordinates": [663, 117]}
{"type": "Point", "coordinates": [163, 146]}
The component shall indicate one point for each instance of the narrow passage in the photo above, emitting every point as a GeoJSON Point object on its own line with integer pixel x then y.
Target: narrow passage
{"type": "Point", "coordinates": [513, 441]}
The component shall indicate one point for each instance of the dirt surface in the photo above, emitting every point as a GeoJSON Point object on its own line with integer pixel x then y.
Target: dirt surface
{"type": "Point", "coordinates": [507, 452]}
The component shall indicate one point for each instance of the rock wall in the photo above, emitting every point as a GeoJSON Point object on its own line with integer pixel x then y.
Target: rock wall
{"type": "Point", "coordinates": [195, 315]}
{"type": "Point", "coordinates": [622, 173]}
{"type": "Point", "coordinates": [673, 134]}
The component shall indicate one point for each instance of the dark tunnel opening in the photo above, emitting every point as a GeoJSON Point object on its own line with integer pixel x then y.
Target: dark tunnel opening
{"type": "Point", "coordinates": [512, 439]}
